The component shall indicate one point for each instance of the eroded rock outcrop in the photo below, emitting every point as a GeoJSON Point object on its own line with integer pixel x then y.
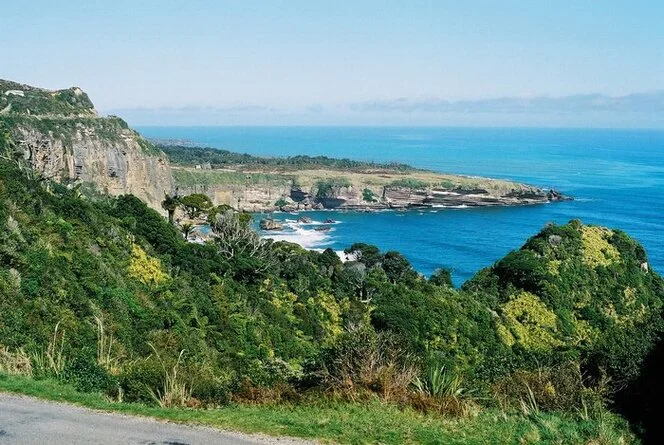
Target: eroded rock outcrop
{"type": "Point", "coordinates": [64, 139]}
{"type": "Point", "coordinates": [398, 197]}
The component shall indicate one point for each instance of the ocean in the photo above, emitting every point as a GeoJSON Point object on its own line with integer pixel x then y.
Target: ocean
{"type": "Point", "coordinates": [615, 176]}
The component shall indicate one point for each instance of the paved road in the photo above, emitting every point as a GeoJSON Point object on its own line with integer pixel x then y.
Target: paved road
{"type": "Point", "coordinates": [25, 420]}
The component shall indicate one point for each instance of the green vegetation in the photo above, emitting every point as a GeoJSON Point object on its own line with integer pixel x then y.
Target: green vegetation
{"type": "Point", "coordinates": [195, 205]}
{"type": "Point", "coordinates": [414, 184]}
{"type": "Point", "coordinates": [106, 297]}
{"type": "Point", "coordinates": [325, 188]}
{"type": "Point", "coordinates": [203, 178]}
{"type": "Point", "coordinates": [170, 204]}
{"type": "Point", "coordinates": [60, 114]}
{"type": "Point", "coordinates": [576, 290]}
{"type": "Point", "coordinates": [24, 99]}
{"type": "Point", "coordinates": [446, 184]}
{"type": "Point", "coordinates": [64, 129]}
{"type": "Point", "coordinates": [190, 156]}
{"type": "Point", "coordinates": [368, 195]}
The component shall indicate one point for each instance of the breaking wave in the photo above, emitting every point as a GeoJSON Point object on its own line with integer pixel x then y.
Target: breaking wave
{"type": "Point", "coordinates": [302, 233]}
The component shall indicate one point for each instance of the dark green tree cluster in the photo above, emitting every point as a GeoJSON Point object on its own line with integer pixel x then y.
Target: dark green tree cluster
{"type": "Point", "coordinates": [191, 155]}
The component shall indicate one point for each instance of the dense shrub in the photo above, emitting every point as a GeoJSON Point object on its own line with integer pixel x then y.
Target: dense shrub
{"type": "Point", "coordinates": [141, 379]}
{"type": "Point", "coordinates": [86, 375]}
{"type": "Point", "coordinates": [362, 361]}
{"type": "Point", "coordinates": [556, 388]}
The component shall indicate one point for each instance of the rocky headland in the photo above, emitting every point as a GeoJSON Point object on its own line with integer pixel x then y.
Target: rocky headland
{"type": "Point", "coordinates": [265, 188]}
{"type": "Point", "coordinates": [66, 141]}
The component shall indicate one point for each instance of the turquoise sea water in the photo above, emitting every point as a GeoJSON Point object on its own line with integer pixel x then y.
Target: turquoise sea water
{"type": "Point", "coordinates": [616, 176]}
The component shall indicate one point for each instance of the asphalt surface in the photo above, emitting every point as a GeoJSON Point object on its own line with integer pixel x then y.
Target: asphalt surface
{"type": "Point", "coordinates": [26, 420]}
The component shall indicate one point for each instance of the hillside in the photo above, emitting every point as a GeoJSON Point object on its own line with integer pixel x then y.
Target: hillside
{"type": "Point", "coordinates": [108, 297]}
{"type": "Point", "coordinates": [65, 140]}
{"type": "Point", "coordinates": [254, 183]}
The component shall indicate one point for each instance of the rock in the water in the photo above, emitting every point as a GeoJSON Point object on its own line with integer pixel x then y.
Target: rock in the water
{"type": "Point", "coordinates": [555, 195]}
{"type": "Point", "coordinates": [305, 220]}
{"type": "Point", "coordinates": [270, 224]}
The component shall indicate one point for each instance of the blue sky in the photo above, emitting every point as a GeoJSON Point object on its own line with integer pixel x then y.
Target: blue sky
{"type": "Point", "coordinates": [339, 62]}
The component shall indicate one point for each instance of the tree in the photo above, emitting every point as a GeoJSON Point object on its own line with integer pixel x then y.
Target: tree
{"type": "Point", "coordinates": [186, 229]}
{"type": "Point", "coordinates": [397, 268]}
{"type": "Point", "coordinates": [235, 238]}
{"type": "Point", "coordinates": [195, 204]}
{"type": "Point", "coordinates": [170, 204]}
{"type": "Point", "coordinates": [214, 211]}
{"type": "Point", "coordinates": [441, 277]}
{"type": "Point", "coordinates": [367, 254]}
{"type": "Point", "coordinates": [368, 195]}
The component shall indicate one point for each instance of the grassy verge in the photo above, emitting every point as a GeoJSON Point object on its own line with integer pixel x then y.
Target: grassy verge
{"type": "Point", "coordinates": [353, 423]}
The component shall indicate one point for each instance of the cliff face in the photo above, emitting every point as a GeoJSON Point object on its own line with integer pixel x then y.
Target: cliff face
{"type": "Point", "coordinates": [65, 140]}
{"type": "Point", "coordinates": [399, 197]}
{"type": "Point", "coordinates": [251, 198]}
{"type": "Point", "coordinates": [267, 190]}
{"type": "Point", "coordinates": [257, 183]}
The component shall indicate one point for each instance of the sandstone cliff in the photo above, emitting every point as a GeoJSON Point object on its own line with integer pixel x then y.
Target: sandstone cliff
{"type": "Point", "coordinates": [251, 189]}
{"type": "Point", "coordinates": [64, 139]}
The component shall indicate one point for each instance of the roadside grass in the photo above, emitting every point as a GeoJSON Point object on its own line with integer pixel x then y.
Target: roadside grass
{"type": "Point", "coordinates": [351, 423]}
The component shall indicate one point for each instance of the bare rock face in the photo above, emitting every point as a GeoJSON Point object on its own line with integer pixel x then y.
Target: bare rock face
{"type": "Point", "coordinates": [65, 140]}
{"type": "Point", "coordinates": [251, 198]}
{"type": "Point", "coordinates": [397, 197]}
{"type": "Point", "coordinates": [117, 163]}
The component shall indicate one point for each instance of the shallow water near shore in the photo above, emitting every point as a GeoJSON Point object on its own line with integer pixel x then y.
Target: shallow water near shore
{"type": "Point", "coordinates": [615, 176]}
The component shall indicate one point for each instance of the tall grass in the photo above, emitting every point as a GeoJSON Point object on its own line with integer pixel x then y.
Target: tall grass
{"type": "Point", "coordinates": [175, 393]}
{"type": "Point", "coordinates": [105, 344]}
{"type": "Point", "coordinates": [439, 382]}
{"type": "Point", "coordinates": [529, 406]}
{"type": "Point", "coordinates": [14, 363]}
{"type": "Point", "coordinates": [52, 360]}
{"type": "Point", "coordinates": [442, 390]}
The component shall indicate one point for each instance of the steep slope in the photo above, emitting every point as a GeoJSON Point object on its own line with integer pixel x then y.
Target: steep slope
{"type": "Point", "coordinates": [65, 140]}
{"type": "Point", "coordinates": [577, 290]}
{"type": "Point", "coordinates": [107, 295]}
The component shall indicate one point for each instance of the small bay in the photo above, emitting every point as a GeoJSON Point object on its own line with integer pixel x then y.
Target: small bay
{"type": "Point", "coordinates": [615, 176]}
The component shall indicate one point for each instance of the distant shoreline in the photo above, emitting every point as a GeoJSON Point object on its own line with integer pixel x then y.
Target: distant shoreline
{"type": "Point", "coordinates": [298, 183]}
